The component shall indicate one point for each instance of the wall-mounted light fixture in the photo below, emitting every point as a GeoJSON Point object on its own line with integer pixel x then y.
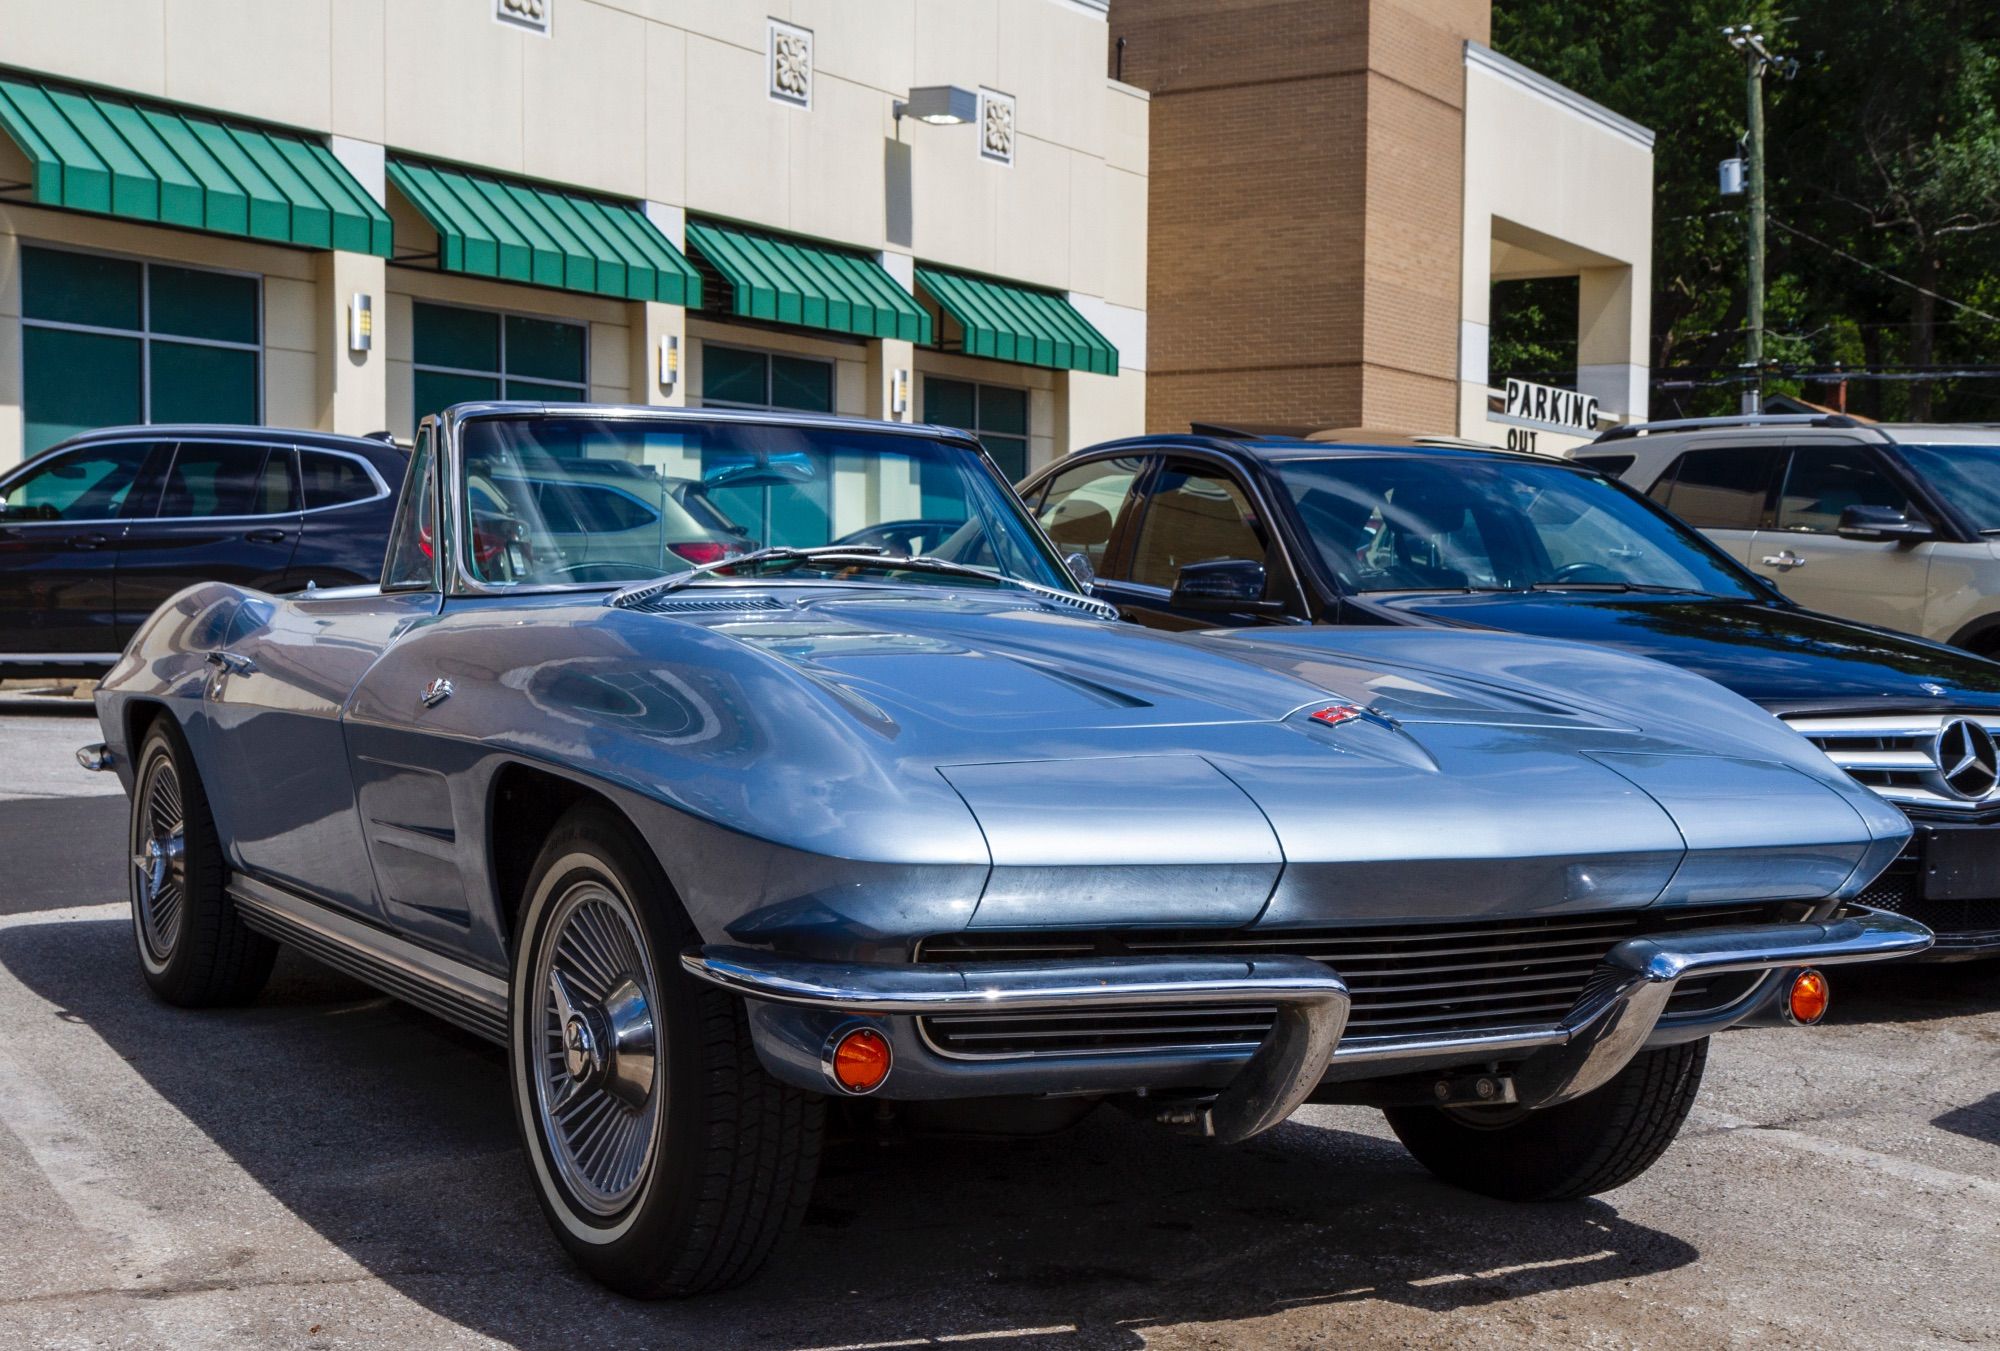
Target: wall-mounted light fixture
{"type": "Point", "coordinates": [360, 322]}
{"type": "Point", "coordinates": [670, 361]}
{"type": "Point", "coordinates": [899, 393]}
{"type": "Point", "coordinates": [941, 105]}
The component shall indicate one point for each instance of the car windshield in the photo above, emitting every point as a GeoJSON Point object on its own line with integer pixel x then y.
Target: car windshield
{"type": "Point", "coordinates": [1966, 476]}
{"type": "Point", "coordinates": [1411, 523]}
{"type": "Point", "coordinates": [581, 499]}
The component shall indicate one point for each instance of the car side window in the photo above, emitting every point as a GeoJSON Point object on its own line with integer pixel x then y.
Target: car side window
{"type": "Point", "coordinates": [411, 562]}
{"type": "Point", "coordinates": [1195, 513]}
{"type": "Point", "coordinates": [1083, 506]}
{"type": "Point", "coordinates": [1719, 487]}
{"type": "Point", "coordinates": [86, 484]}
{"type": "Point", "coordinates": [333, 480]}
{"type": "Point", "coordinates": [1824, 481]}
{"type": "Point", "coordinates": [227, 478]}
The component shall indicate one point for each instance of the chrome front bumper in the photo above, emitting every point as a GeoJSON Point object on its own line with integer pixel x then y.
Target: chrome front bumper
{"type": "Point", "coordinates": [1608, 1025]}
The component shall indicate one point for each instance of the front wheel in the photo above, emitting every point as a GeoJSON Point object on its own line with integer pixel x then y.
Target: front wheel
{"type": "Point", "coordinates": [1602, 1140]}
{"type": "Point", "coordinates": [195, 950]}
{"type": "Point", "coordinates": [665, 1158]}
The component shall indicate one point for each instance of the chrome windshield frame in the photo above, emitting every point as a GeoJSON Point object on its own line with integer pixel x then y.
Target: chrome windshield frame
{"type": "Point", "coordinates": [457, 580]}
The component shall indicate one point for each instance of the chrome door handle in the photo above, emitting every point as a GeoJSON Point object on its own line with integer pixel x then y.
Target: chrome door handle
{"type": "Point", "coordinates": [1784, 558]}
{"type": "Point", "coordinates": [231, 663]}
{"type": "Point", "coordinates": [91, 541]}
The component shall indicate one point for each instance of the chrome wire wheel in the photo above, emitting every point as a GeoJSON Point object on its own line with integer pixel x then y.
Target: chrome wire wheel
{"type": "Point", "coordinates": [159, 858]}
{"type": "Point", "coordinates": [596, 1072]}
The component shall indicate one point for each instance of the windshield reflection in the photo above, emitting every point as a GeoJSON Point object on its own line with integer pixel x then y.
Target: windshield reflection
{"type": "Point", "coordinates": [1405, 523]}
{"type": "Point", "coordinates": [584, 500]}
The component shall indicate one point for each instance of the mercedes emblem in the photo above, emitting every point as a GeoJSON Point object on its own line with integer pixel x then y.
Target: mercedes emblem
{"type": "Point", "coordinates": [1967, 759]}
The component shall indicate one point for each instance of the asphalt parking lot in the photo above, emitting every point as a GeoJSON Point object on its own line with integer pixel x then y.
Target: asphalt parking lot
{"type": "Point", "coordinates": [331, 1168]}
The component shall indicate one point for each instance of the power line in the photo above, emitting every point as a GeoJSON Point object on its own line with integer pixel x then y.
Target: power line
{"type": "Point", "coordinates": [1884, 272]}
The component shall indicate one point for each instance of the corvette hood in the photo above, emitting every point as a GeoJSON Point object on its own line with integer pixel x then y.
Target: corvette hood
{"type": "Point", "coordinates": [1116, 774]}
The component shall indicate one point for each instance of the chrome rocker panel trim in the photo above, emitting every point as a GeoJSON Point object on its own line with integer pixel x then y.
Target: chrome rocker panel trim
{"type": "Point", "coordinates": [1609, 1025]}
{"type": "Point", "coordinates": [453, 991]}
{"type": "Point", "coordinates": [1312, 1003]}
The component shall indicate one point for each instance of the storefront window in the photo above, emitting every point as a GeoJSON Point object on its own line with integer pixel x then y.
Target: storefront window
{"type": "Point", "coordinates": [997, 414]}
{"type": "Point", "coordinates": [108, 341]}
{"type": "Point", "coordinates": [464, 355]}
{"type": "Point", "coordinates": [732, 377]}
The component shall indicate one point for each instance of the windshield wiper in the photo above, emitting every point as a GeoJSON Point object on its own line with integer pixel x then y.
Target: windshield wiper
{"type": "Point", "coordinates": [674, 581]}
{"type": "Point", "coordinates": [859, 556]}
{"type": "Point", "coordinates": [1644, 588]}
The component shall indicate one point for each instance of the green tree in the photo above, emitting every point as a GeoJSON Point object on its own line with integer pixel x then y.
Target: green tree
{"type": "Point", "coordinates": [1883, 177]}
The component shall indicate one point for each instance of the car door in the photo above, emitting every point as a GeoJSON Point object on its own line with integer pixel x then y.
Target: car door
{"type": "Point", "coordinates": [1874, 581]}
{"type": "Point", "coordinates": [1084, 510]}
{"type": "Point", "coordinates": [1723, 490]}
{"type": "Point", "coordinates": [1193, 510]}
{"type": "Point", "coordinates": [62, 522]}
{"type": "Point", "coordinates": [277, 697]}
{"type": "Point", "coordinates": [228, 512]}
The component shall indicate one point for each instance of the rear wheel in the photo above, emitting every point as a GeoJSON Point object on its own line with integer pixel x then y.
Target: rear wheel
{"type": "Point", "coordinates": [667, 1161]}
{"type": "Point", "coordinates": [1602, 1140]}
{"type": "Point", "coordinates": [194, 949]}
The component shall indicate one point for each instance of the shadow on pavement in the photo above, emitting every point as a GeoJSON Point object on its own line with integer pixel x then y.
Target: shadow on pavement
{"type": "Point", "coordinates": [61, 851]}
{"type": "Point", "coordinates": [390, 1136]}
{"type": "Point", "coordinates": [1914, 991]}
{"type": "Point", "coordinates": [15, 702]}
{"type": "Point", "coordinates": [1976, 1121]}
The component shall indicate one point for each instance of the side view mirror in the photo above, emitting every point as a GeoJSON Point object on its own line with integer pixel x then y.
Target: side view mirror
{"type": "Point", "coordinates": [1882, 523]}
{"type": "Point", "coordinates": [1234, 585]}
{"type": "Point", "coordinates": [1080, 568]}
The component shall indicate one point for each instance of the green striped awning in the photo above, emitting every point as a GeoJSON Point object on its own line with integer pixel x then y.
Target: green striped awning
{"type": "Point", "coordinates": [1013, 323]}
{"type": "Point", "coordinates": [789, 281]}
{"type": "Point", "coordinates": [515, 231]}
{"type": "Point", "coordinates": [149, 162]}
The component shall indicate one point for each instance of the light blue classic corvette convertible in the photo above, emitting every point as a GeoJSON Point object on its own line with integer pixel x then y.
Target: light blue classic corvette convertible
{"type": "Point", "coordinates": [713, 821]}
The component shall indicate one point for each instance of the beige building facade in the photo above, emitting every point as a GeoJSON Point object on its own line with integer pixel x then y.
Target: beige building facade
{"type": "Point", "coordinates": [519, 193]}
{"type": "Point", "coordinates": [1336, 188]}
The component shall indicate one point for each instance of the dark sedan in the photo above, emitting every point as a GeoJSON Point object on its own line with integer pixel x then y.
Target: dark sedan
{"type": "Point", "coordinates": [97, 531]}
{"type": "Point", "coordinates": [1206, 531]}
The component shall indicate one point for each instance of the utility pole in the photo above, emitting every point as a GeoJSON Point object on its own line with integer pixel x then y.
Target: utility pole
{"type": "Point", "coordinates": [1757, 59]}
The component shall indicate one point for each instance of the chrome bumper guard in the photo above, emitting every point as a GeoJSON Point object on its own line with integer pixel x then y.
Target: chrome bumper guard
{"type": "Point", "coordinates": [1623, 1002]}
{"type": "Point", "coordinates": [1311, 1002]}
{"type": "Point", "coordinates": [1609, 1024]}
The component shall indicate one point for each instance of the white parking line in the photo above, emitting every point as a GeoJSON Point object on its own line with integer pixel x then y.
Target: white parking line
{"type": "Point", "coordinates": [149, 1250]}
{"type": "Point", "coordinates": [951, 1339]}
{"type": "Point", "coordinates": [1908, 1170]}
{"type": "Point", "coordinates": [75, 914]}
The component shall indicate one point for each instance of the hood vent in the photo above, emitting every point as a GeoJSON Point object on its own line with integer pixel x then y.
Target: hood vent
{"type": "Point", "coordinates": [670, 604]}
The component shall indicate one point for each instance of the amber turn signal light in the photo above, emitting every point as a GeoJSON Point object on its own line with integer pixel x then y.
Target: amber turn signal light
{"type": "Point", "coordinates": [1809, 997]}
{"type": "Point", "coordinates": [860, 1060]}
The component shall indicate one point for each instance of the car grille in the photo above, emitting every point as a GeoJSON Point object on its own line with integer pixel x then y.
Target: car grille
{"type": "Point", "coordinates": [1406, 980]}
{"type": "Point", "coordinates": [1896, 755]}
{"type": "Point", "coordinates": [1900, 889]}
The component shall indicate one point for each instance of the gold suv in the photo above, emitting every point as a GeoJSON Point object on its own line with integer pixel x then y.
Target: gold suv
{"type": "Point", "coordinates": [1889, 524]}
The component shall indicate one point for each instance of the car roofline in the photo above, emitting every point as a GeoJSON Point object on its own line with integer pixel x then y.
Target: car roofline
{"type": "Point", "coordinates": [1276, 449]}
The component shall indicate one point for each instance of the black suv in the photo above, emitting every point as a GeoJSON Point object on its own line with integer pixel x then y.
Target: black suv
{"type": "Point", "coordinates": [1212, 531]}
{"type": "Point", "coordinates": [95, 532]}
